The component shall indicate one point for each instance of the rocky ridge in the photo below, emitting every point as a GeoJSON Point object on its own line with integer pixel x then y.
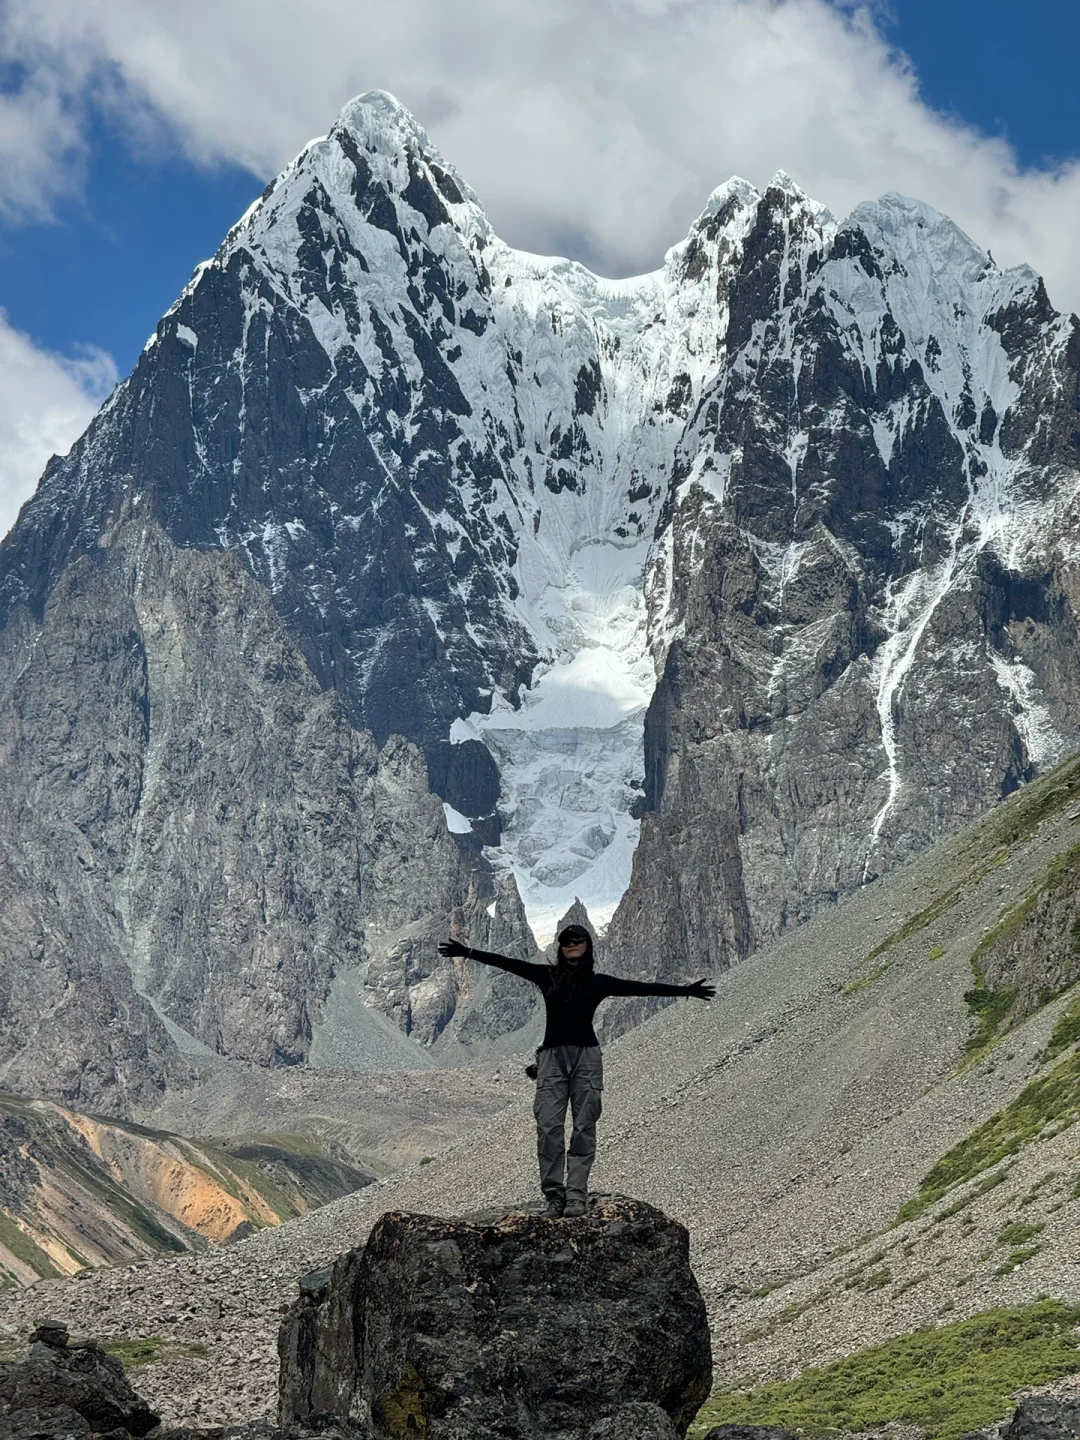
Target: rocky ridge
{"type": "Point", "coordinates": [408, 575]}
{"type": "Point", "coordinates": [77, 1190]}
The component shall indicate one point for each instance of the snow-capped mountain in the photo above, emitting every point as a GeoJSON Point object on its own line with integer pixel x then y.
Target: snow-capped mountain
{"type": "Point", "coordinates": [770, 554]}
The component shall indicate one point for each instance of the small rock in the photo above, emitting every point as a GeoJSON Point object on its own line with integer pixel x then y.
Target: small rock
{"type": "Point", "coordinates": [51, 1332]}
{"type": "Point", "coordinates": [83, 1380]}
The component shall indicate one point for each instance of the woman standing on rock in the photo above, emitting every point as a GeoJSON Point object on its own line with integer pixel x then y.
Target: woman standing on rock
{"type": "Point", "coordinates": [570, 1070]}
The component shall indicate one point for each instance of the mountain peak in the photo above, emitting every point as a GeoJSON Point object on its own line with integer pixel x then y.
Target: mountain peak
{"type": "Point", "coordinates": [921, 236]}
{"type": "Point", "coordinates": [735, 191]}
{"type": "Point", "coordinates": [380, 119]}
{"type": "Point", "coordinates": [783, 181]}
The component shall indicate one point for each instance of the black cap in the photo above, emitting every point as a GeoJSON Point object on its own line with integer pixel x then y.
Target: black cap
{"type": "Point", "coordinates": [573, 935]}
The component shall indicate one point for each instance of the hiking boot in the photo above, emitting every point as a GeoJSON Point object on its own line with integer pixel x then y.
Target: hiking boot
{"type": "Point", "coordinates": [556, 1206]}
{"type": "Point", "coordinates": [573, 1208]}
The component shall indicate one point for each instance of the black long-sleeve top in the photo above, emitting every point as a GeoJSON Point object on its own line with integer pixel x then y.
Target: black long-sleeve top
{"type": "Point", "coordinates": [570, 1010]}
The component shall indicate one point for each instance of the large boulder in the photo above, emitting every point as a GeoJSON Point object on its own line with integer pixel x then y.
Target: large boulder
{"type": "Point", "coordinates": [67, 1390]}
{"type": "Point", "coordinates": [503, 1326]}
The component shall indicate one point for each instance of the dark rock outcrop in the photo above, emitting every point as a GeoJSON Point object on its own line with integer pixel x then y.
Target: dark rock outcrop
{"type": "Point", "coordinates": [748, 1432]}
{"type": "Point", "coordinates": [62, 1390]}
{"type": "Point", "coordinates": [504, 1325]}
{"type": "Point", "coordinates": [1044, 1417]}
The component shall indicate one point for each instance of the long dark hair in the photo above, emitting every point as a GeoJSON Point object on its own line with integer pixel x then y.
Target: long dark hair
{"type": "Point", "coordinates": [567, 976]}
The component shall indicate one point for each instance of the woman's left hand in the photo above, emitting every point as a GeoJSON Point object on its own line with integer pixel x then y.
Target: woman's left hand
{"type": "Point", "coordinates": [701, 990]}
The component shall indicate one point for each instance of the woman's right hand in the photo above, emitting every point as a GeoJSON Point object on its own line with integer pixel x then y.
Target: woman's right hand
{"type": "Point", "coordinates": [451, 949]}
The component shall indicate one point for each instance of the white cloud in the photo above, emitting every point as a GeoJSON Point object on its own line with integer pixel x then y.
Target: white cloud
{"type": "Point", "coordinates": [595, 126]}
{"type": "Point", "coordinates": [46, 401]}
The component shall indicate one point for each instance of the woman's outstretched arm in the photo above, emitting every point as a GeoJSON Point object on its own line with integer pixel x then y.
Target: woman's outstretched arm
{"type": "Point", "coordinates": [699, 990]}
{"type": "Point", "coordinates": [527, 971]}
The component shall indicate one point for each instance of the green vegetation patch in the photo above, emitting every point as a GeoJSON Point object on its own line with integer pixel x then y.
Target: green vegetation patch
{"type": "Point", "coordinates": [1011, 824]}
{"type": "Point", "coordinates": [946, 1380]}
{"type": "Point", "coordinates": [1017, 1232]}
{"type": "Point", "coordinates": [1046, 1106]}
{"type": "Point", "coordinates": [25, 1250]}
{"type": "Point", "coordinates": [1017, 1258]}
{"type": "Point", "coordinates": [926, 916]}
{"type": "Point", "coordinates": [988, 1182]}
{"type": "Point", "coordinates": [912, 1282]}
{"type": "Point", "coordinates": [1060, 872]}
{"type": "Point", "coordinates": [787, 1316]}
{"type": "Point", "coordinates": [1036, 1191]}
{"type": "Point", "coordinates": [861, 984]}
{"type": "Point", "coordinates": [1025, 811]}
{"type": "Point", "coordinates": [989, 1009]}
{"type": "Point", "coordinates": [875, 1280]}
{"type": "Point", "coordinates": [133, 1354]}
{"type": "Point", "coordinates": [992, 1008]}
{"type": "Point", "coordinates": [1066, 1031]}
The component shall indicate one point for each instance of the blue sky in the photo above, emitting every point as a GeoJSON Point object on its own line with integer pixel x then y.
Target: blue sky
{"type": "Point", "coordinates": [1008, 67]}
{"type": "Point", "coordinates": [129, 142]}
{"type": "Point", "coordinates": [114, 259]}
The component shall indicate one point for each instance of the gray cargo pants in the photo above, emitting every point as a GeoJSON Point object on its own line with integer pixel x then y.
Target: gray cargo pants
{"type": "Point", "coordinates": [567, 1075]}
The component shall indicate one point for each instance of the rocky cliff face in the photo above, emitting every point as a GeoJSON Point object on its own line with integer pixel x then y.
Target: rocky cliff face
{"type": "Point", "coordinates": [867, 572]}
{"type": "Point", "coordinates": [216, 845]}
{"type": "Point", "coordinates": [408, 578]}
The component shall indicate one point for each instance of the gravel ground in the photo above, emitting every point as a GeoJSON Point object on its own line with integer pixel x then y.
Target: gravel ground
{"type": "Point", "coordinates": [384, 1121]}
{"type": "Point", "coordinates": [784, 1121]}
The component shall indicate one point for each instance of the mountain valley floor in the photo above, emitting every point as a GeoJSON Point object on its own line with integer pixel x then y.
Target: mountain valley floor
{"type": "Point", "coordinates": [865, 1133]}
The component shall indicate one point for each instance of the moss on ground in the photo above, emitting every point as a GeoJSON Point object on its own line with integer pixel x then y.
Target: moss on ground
{"type": "Point", "coordinates": [1023, 812]}
{"type": "Point", "coordinates": [912, 1282]}
{"type": "Point", "coordinates": [919, 921]}
{"type": "Point", "coordinates": [1017, 1232]}
{"type": "Point", "coordinates": [946, 1380]}
{"type": "Point", "coordinates": [992, 1009]}
{"type": "Point", "coordinates": [865, 980]}
{"type": "Point", "coordinates": [786, 1316]}
{"type": "Point", "coordinates": [133, 1354]}
{"type": "Point", "coordinates": [1045, 1106]}
{"type": "Point", "coordinates": [1016, 1258]}
{"type": "Point", "coordinates": [1058, 873]}
{"type": "Point", "coordinates": [988, 1182]}
{"type": "Point", "coordinates": [1036, 1191]}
